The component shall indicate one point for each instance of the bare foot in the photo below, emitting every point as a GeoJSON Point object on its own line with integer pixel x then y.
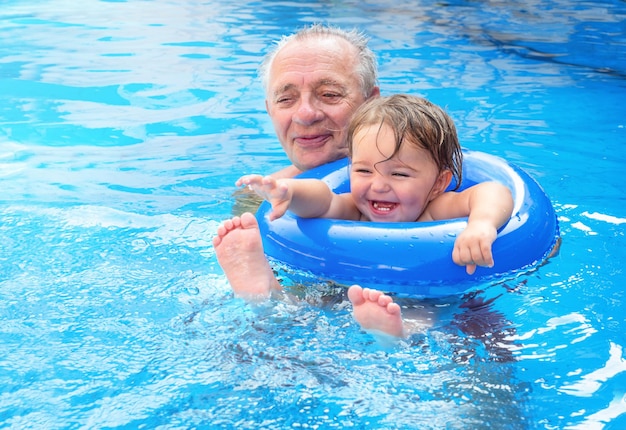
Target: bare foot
{"type": "Point", "coordinates": [239, 250]}
{"type": "Point", "coordinates": [376, 311]}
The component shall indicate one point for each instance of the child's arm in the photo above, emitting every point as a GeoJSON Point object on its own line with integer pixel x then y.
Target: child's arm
{"type": "Point", "coordinates": [307, 198]}
{"type": "Point", "coordinates": [488, 206]}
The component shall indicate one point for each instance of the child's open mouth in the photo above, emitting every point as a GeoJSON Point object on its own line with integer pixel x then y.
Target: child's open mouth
{"type": "Point", "coordinates": [383, 206]}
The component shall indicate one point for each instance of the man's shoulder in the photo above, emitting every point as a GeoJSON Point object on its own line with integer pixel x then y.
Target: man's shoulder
{"type": "Point", "coordinates": [287, 172]}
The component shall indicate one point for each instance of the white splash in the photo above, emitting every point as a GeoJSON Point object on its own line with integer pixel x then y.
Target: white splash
{"type": "Point", "coordinates": [603, 217]}
{"type": "Point", "coordinates": [591, 382]}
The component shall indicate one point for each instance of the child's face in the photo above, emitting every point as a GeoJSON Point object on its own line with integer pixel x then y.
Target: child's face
{"type": "Point", "coordinates": [396, 190]}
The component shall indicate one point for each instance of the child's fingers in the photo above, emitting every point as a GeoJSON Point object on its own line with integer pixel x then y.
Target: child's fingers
{"type": "Point", "coordinates": [473, 256]}
{"type": "Point", "coordinates": [278, 210]}
{"type": "Point", "coordinates": [470, 268]}
{"type": "Point", "coordinates": [244, 180]}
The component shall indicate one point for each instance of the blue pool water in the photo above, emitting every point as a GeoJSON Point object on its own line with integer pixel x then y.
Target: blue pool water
{"type": "Point", "coordinates": [123, 126]}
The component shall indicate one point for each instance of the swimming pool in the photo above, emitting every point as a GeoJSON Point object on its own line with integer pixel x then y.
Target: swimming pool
{"type": "Point", "coordinates": [123, 126]}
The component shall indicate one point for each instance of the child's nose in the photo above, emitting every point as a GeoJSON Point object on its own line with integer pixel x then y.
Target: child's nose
{"type": "Point", "coordinates": [380, 183]}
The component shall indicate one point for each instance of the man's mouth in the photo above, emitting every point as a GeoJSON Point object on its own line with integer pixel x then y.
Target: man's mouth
{"type": "Point", "coordinates": [316, 140]}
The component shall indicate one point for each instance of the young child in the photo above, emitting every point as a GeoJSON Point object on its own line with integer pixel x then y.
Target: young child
{"type": "Point", "coordinates": [404, 152]}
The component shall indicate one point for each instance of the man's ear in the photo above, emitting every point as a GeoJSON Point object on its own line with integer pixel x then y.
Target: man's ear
{"type": "Point", "coordinates": [442, 182]}
{"type": "Point", "coordinates": [375, 92]}
{"type": "Point", "coordinates": [267, 107]}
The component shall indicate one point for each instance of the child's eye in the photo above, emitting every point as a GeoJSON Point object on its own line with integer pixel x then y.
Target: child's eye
{"type": "Point", "coordinates": [401, 174]}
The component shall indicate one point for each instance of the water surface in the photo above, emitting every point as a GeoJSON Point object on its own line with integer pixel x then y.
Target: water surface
{"type": "Point", "coordinates": [123, 126]}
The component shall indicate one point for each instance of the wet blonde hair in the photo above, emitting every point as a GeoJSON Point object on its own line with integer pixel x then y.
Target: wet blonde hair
{"type": "Point", "coordinates": [417, 122]}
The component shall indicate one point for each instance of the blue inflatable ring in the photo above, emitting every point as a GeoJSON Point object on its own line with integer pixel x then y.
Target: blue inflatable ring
{"type": "Point", "coordinates": [414, 258]}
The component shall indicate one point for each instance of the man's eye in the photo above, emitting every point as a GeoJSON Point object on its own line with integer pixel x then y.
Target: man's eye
{"type": "Point", "coordinates": [331, 97]}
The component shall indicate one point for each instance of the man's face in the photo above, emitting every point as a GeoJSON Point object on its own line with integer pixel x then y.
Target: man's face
{"type": "Point", "coordinates": [313, 90]}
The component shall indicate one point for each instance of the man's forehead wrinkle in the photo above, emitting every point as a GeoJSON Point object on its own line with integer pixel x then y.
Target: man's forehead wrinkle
{"type": "Point", "coordinates": [331, 82]}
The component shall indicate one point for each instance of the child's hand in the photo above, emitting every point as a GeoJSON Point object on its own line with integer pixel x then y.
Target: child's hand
{"type": "Point", "coordinates": [473, 246]}
{"type": "Point", "coordinates": [276, 192]}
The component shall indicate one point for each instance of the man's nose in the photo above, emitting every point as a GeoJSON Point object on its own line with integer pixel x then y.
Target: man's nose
{"type": "Point", "coordinates": [308, 111]}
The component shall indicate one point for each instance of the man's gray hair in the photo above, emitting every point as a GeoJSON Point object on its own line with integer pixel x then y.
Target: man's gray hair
{"type": "Point", "coordinates": [366, 60]}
